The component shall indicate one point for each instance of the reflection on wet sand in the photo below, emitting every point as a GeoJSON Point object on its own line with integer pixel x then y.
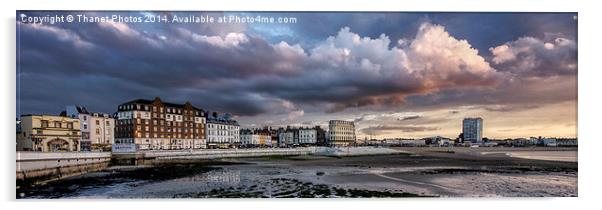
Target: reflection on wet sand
{"type": "Point", "coordinates": [403, 175]}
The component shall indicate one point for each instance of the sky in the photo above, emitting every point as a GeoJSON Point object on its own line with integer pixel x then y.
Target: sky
{"type": "Point", "coordinates": [407, 75]}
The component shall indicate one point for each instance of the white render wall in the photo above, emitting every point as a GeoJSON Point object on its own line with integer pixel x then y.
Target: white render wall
{"type": "Point", "coordinates": [101, 133]}
{"type": "Point", "coordinates": [286, 138]}
{"type": "Point", "coordinates": [218, 133]}
{"type": "Point", "coordinates": [308, 136]}
{"type": "Point", "coordinates": [255, 139]}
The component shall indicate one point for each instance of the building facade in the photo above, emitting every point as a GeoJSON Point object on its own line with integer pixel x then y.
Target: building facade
{"type": "Point", "coordinates": [472, 129]}
{"type": "Point", "coordinates": [222, 132]}
{"type": "Point", "coordinates": [286, 138]}
{"type": "Point", "coordinates": [158, 125]}
{"type": "Point", "coordinates": [97, 129]}
{"type": "Point", "coordinates": [320, 136]}
{"type": "Point", "coordinates": [308, 136]}
{"type": "Point", "coordinates": [46, 133]}
{"type": "Point", "coordinates": [255, 138]}
{"type": "Point", "coordinates": [341, 133]}
{"type": "Point", "coordinates": [567, 142]}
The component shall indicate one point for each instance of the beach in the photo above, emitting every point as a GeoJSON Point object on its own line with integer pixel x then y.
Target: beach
{"type": "Point", "coordinates": [417, 172]}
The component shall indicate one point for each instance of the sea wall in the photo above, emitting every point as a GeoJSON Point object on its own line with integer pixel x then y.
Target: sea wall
{"type": "Point", "coordinates": [34, 167]}
{"type": "Point", "coordinates": [166, 156]}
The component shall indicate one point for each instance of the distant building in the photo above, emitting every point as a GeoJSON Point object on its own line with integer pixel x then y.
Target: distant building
{"type": "Point", "coordinates": [548, 142]}
{"type": "Point", "coordinates": [567, 142]}
{"type": "Point", "coordinates": [255, 138]}
{"type": "Point", "coordinates": [412, 142]}
{"type": "Point", "coordinates": [47, 133]}
{"type": "Point", "coordinates": [472, 129]}
{"type": "Point", "coordinates": [274, 135]}
{"type": "Point", "coordinates": [392, 142]}
{"type": "Point", "coordinates": [320, 136]}
{"type": "Point", "coordinates": [156, 125]}
{"type": "Point", "coordinates": [222, 131]}
{"type": "Point", "coordinates": [308, 136]}
{"type": "Point", "coordinates": [97, 128]}
{"type": "Point", "coordinates": [286, 138]}
{"type": "Point", "coordinates": [341, 133]}
{"type": "Point", "coordinates": [438, 140]}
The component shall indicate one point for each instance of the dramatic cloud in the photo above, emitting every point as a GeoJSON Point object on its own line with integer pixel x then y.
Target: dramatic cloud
{"type": "Point", "coordinates": [385, 71]}
{"type": "Point", "coordinates": [343, 71]}
{"type": "Point", "coordinates": [534, 57]}
{"type": "Point", "coordinates": [385, 129]}
{"type": "Point", "coordinates": [348, 70]}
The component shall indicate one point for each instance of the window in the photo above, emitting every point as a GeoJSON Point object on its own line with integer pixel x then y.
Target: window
{"type": "Point", "coordinates": [85, 117]}
{"type": "Point", "coordinates": [97, 122]}
{"type": "Point", "coordinates": [44, 123]}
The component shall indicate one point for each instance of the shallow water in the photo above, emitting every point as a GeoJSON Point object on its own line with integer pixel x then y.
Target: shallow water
{"type": "Point", "coordinates": [381, 176]}
{"type": "Point", "coordinates": [567, 156]}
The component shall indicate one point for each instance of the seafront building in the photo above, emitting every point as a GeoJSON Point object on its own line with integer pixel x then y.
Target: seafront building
{"type": "Point", "coordinates": [255, 138]}
{"type": "Point", "coordinates": [286, 138]}
{"type": "Point", "coordinates": [438, 140]}
{"type": "Point", "coordinates": [308, 136]}
{"type": "Point", "coordinates": [567, 142]}
{"type": "Point", "coordinates": [222, 131]}
{"type": "Point", "coordinates": [341, 133]}
{"type": "Point", "coordinates": [320, 136]}
{"type": "Point", "coordinates": [97, 129]}
{"type": "Point", "coordinates": [48, 133]}
{"type": "Point", "coordinates": [472, 129]}
{"type": "Point", "coordinates": [154, 125]}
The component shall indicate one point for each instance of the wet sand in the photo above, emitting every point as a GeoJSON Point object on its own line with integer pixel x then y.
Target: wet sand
{"type": "Point", "coordinates": [419, 173]}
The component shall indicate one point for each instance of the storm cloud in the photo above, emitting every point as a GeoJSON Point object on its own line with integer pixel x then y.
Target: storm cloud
{"type": "Point", "coordinates": [384, 129]}
{"type": "Point", "coordinates": [331, 67]}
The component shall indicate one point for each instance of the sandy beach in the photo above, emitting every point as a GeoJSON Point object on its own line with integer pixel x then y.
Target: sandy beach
{"type": "Point", "coordinates": [418, 172]}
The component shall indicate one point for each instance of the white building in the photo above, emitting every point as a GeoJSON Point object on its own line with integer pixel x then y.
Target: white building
{"type": "Point", "coordinates": [412, 142]}
{"type": "Point", "coordinates": [253, 138]}
{"type": "Point", "coordinates": [286, 138]}
{"type": "Point", "coordinates": [567, 142]}
{"type": "Point", "coordinates": [341, 133]}
{"type": "Point", "coordinates": [222, 132]}
{"type": "Point", "coordinates": [549, 142]}
{"type": "Point", "coordinates": [97, 129]}
{"type": "Point", "coordinates": [307, 136]}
